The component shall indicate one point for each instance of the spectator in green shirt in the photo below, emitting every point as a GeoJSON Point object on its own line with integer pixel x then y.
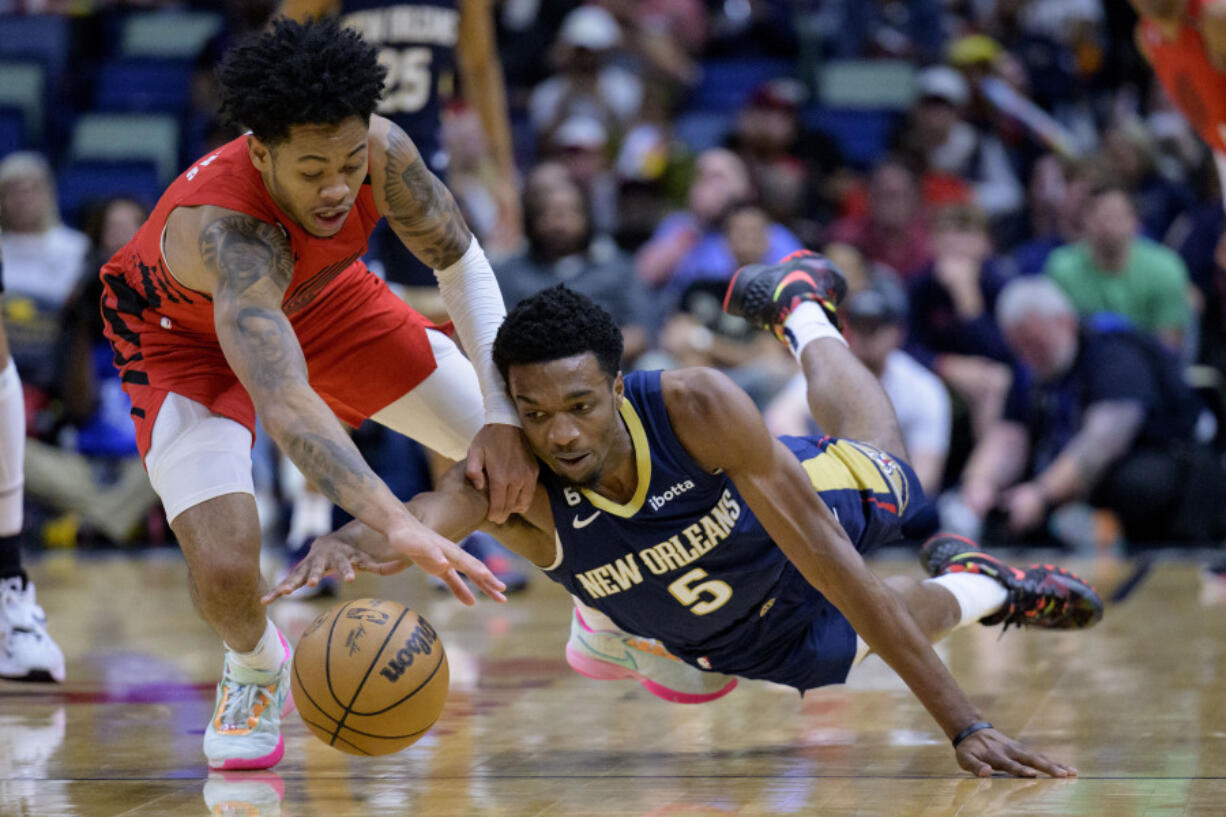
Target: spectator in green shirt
{"type": "Point", "coordinates": [1113, 269]}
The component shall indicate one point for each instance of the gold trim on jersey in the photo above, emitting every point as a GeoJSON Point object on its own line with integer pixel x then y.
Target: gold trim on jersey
{"type": "Point", "coordinates": [849, 465]}
{"type": "Point", "coordinates": [642, 460]}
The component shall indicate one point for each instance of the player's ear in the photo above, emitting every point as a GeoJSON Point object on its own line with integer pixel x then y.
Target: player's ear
{"type": "Point", "coordinates": [619, 388]}
{"type": "Point", "coordinates": [261, 155]}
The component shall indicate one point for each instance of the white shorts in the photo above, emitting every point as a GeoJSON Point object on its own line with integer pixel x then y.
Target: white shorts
{"type": "Point", "coordinates": [195, 455]}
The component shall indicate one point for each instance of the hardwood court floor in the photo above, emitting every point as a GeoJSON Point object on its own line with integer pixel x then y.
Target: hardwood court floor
{"type": "Point", "coordinates": [1139, 705]}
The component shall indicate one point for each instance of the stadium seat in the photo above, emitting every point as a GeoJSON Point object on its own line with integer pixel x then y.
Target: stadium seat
{"type": "Point", "coordinates": [22, 86]}
{"type": "Point", "coordinates": [862, 134]}
{"type": "Point", "coordinates": [168, 34]}
{"type": "Point", "coordinates": [871, 84]}
{"type": "Point", "coordinates": [700, 130]}
{"type": "Point", "coordinates": [144, 85]}
{"type": "Point", "coordinates": [117, 137]}
{"type": "Point", "coordinates": [727, 84]}
{"type": "Point", "coordinates": [12, 130]}
{"type": "Point", "coordinates": [82, 182]}
{"type": "Point", "coordinates": [39, 37]}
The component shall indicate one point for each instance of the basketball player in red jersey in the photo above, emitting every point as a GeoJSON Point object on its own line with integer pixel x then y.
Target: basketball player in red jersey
{"type": "Point", "coordinates": [243, 295]}
{"type": "Point", "coordinates": [1185, 42]}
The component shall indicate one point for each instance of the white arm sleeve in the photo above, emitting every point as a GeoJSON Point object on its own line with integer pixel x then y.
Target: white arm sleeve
{"type": "Point", "coordinates": [474, 302]}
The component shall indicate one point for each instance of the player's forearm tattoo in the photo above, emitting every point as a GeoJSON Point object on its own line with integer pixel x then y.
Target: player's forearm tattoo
{"type": "Point", "coordinates": [420, 209]}
{"type": "Point", "coordinates": [1106, 434]}
{"type": "Point", "coordinates": [336, 469]}
{"type": "Point", "coordinates": [242, 251]}
{"type": "Point", "coordinates": [268, 346]}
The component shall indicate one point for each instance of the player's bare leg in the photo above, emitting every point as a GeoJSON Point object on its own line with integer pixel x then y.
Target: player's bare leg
{"type": "Point", "coordinates": [846, 399]}
{"type": "Point", "coordinates": [797, 299]}
{"type": "Point", "coordinates": [220, 539]}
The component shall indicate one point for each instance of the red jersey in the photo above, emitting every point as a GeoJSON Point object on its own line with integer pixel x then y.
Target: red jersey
{"type": "Point", "coordinates": [1194, 85]}
{"type": "Point", "coordinates": [364, 347]}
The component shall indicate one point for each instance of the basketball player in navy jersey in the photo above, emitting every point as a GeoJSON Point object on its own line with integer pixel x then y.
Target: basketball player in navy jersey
{"type": "Point", "coordinates": [666, 505]}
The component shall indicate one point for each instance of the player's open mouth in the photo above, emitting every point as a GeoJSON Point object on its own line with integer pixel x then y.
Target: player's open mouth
{"type": "Point", "coordinates": [332, 217]}
{"type": "Point", "coordinates": [571, 459]}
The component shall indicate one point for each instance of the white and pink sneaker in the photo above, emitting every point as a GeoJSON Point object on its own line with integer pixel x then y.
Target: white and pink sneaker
{"type": "Point", "coordinates": [245, 731]}
{"type": "Point", "coordinates": [609, 655]}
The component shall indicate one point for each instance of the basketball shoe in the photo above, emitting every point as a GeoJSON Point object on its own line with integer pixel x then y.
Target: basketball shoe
{"type": "Point", "coordinates": [1042, 595]}
{"type": "Point", "coordinates": [610, 655]}
{"type": "Point", "coordinates": [245, 730]}
{"type": "Point", "coordinates": [765, 294]}
{"type": "Point", "coordinates": [244, 794]}
{"type": "Point", "coordinates": [27, 653]}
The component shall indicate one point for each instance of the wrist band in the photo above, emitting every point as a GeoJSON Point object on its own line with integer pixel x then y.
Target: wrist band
{"type": "Point", "coordinates": [977, 726]}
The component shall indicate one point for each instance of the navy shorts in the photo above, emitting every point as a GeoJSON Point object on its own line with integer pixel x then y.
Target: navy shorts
{"type": "Point", "coordinates": [802, 640]}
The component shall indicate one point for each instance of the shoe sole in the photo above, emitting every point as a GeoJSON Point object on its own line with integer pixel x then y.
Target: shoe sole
{"type": "Point", "coordinates": [604, 671]}
{"type": "Point", "coordinates": [245, 764]}
{"type": "Point", "coordinates": [37, 676]}
{"type": "Point", "coordinates": [933, 566]}
{"type": "Point", "coordinates": [736, 287]}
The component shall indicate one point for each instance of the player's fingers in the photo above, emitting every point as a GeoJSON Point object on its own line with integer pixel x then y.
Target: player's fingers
{"type": "Point", "coordinates": [973, 764]}
{"type": "Point", "coordinates": [343, 568]}
{"type": "Point", "coordinates": [475, 569]}
{"type": "Point", "coordinates": [1037, 761]}
{"type": "Point", "coordinates": [288, 585]}
{"type": "Point", "coordinates": [1006, 764]}
{"type": "Point", "coordinates": [387, 568]}
{"type": "Point", "coordinates": [474, 468]}
{"type": "Point", "coordinates": [452, 579]}
{"type": "Point", "coordinates": [499, 498]}
{"type": "Point", "coordinates": [317, 569]}
{"type": "Point", "coordinates": [524, 499]}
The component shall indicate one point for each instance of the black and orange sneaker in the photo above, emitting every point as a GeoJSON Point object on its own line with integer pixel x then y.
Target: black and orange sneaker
{"type": "Point", "coordinates": [1042, 595]}
{"type": "Point", "coordinates": [765, 294]}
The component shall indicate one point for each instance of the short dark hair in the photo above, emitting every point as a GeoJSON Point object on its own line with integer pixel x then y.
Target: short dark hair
{"type": "Point", "coordinates": [313, 73]}
{"type": "Point", "coordinates": [556, 323]}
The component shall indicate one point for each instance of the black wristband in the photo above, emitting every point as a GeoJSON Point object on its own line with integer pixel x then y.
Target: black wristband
{"type": "Point", "coordinates": [977, 726]}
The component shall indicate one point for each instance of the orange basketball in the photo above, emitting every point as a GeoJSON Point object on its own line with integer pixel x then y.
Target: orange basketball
{"type": "Point", "coordinates": [370, 677]}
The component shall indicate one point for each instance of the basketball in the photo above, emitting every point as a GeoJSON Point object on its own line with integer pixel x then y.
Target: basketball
{"type": "Point", "coordinates": [370, 677]}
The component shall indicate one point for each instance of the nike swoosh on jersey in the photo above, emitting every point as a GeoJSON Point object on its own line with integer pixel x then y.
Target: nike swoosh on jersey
{"type": "Point", "coordinates": [583, 523]}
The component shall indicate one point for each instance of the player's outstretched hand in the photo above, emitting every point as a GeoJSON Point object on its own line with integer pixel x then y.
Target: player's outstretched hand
{"type": "Point", "coordinates": [988, 750]}
{"type": "Point", "coordinates": [442, 557]}
{"type": "Point", "coordinates": [330, 555]}
{"type": "Point", "coordinates": [499, 459]}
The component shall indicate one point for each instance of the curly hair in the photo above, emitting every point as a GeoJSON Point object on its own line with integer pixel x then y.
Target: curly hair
{"type": "Point", "coordinates": [556, 323]}
{"type": "Point", "coordinates": [313, 73]}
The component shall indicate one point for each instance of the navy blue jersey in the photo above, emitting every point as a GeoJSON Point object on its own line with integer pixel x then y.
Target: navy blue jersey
{"type": "Point", "coordinates": [687, 561]}
{"type": "Point", "coordinates": [416, 41]}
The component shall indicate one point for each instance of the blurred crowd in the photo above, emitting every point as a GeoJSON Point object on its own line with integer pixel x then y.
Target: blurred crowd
{"type": "Point", "coordinates": [1030, 232]}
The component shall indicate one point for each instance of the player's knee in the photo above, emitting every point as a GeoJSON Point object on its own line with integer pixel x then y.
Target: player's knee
{"type": "Point", "coordinates": [217, 578]}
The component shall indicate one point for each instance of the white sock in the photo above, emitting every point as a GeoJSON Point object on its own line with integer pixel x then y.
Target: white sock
{"type": "Point", "coordinates": [978, 596]}
{"type": "Point", "coordinates": [265, 659]}
{"type": "Point", "coordinates": [807, 323]}
{"type": "Point", "coordinates": [12, 449]}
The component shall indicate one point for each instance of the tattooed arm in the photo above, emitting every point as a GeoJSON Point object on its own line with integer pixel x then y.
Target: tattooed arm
{"type": "Point", "coordinates": [249, 264]}
{"type": "Point", "coordinates": [418, 207]}
{"type": "Point", "coordinates": [422, 212]}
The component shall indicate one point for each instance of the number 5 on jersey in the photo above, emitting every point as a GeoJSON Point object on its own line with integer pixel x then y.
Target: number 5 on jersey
{"type": "Point", "coordinates": [704, 597]}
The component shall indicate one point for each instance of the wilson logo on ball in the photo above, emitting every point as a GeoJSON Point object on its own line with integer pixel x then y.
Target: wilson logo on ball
{"type": "Point", "coordinates": [420, 642]}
